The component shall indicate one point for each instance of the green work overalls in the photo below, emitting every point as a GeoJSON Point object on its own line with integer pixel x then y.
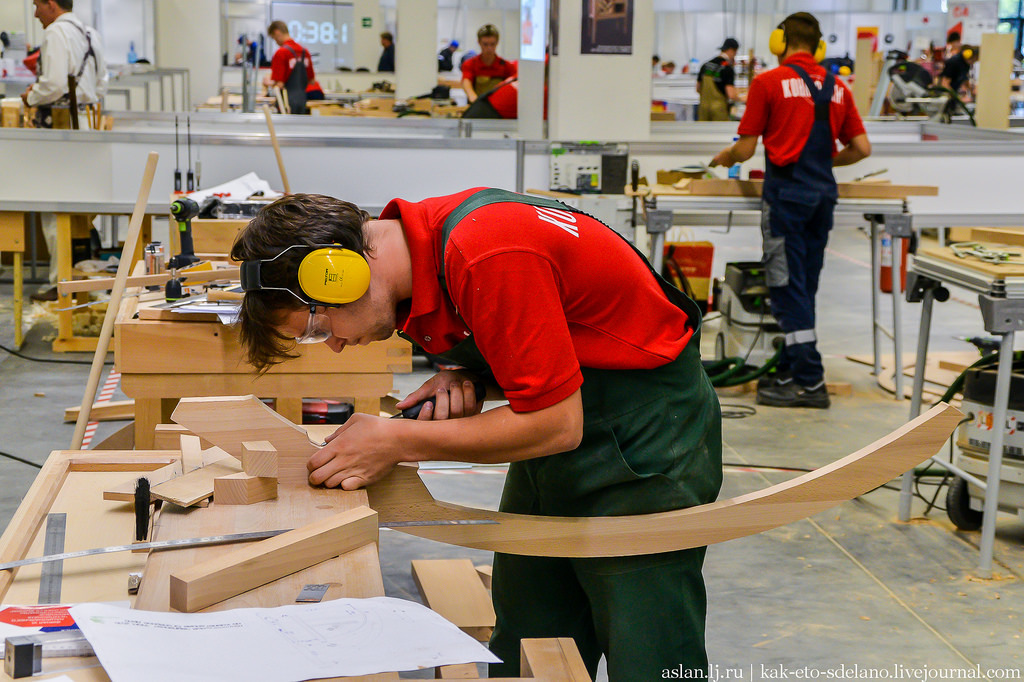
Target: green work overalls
{"type": "Point", "coordinates": [652, 441]}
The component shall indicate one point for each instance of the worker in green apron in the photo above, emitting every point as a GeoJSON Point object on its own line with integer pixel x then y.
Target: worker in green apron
{"type": "Point", "coordinates": [716, 84]}
{"type": "Point", "coordinates": [566, 318]}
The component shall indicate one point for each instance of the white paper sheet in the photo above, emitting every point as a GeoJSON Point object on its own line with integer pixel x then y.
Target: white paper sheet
{"type": "Point", "coordinates": [237, 190]}
{"type": "Point", "coordinates": [301, 642]}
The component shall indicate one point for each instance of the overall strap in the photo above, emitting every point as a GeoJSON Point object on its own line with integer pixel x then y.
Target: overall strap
{"type": "Point", "coordinates": [820, 96]}
{"type": "Point", "coordinates": [89, 52]}
{"type": "Point", "coordinates": [486, 197]}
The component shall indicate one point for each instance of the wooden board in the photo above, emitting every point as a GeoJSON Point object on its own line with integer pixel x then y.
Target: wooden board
{"type": "Point", "coordinates": [995, 70]}
{"type": "Point", "coordinates": [847, 190]}
{"type": "Point", "coordinates": [863, 83]}
{"type": "Point", "coordinates": [112, 411]}
{"type": "Point", "coordinates": [216, 236]}
{"type": "Point", "coordinates": [453, 588]}
{"type": "Point", "coordinates": [125, 491]}
{"type": "Point", "coordinates": [1011, 236]}
{"type": "Point", "coordinates": [195, 486]}
{"type": "Point", "coordinates": [259, 563]}
{"type": "Point", "coordinates": [227, 422]}
{"type": "Point", "coordinates": [945, 253]}
{"type": "Point", "coordinates": [401, 496]}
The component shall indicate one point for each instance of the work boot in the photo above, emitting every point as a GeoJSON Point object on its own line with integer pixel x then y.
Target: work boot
{"type": "Point", "coordinates": [793, 394]}
{"type": "Point", "coordinates": [778, 378]}
{"type": "Point", "coordinates": [45, 295]}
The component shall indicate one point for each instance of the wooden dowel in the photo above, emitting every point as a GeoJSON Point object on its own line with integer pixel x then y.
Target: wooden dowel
{"type": "Point", "coordinates": [130, 242]}
{"type": "Point", "coordinates": [104, 283]}
{"type": "Point", "coordinates": [277, 150]}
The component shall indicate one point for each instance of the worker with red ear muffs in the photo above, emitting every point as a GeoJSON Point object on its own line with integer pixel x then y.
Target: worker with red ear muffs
{"type": "Point", "coordinates": [800, 110]}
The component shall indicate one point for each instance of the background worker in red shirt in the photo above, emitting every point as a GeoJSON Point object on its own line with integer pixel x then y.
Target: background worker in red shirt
{"type": "Point", "coordinates": [487, 70]}
{"type": "Point", "coordinates": [286, 70]}
{"type": "Point", "coordinates": [609, 409]}
{"type": "Point", "coordinates": [800, 111]}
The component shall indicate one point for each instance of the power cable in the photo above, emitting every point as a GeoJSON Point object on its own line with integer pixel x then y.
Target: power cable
{"type": "Point", "coordinates": [53, 360]}
{"type": "Point", "coordinates": [20, 459]}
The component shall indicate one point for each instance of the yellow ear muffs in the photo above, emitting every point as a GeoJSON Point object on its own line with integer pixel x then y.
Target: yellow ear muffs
{"type": "Point", "coordinates": [334, 275]}
{"type": "Point", "coordinates": [819, 54]}
{"type": "Point", "coordinates": [777, 42]}
{"type": "Point", "coordinates": [967, 53]}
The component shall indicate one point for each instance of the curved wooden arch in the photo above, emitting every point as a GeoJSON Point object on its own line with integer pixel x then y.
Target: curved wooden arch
{"type": "Point", "coordinates": [401, 496]}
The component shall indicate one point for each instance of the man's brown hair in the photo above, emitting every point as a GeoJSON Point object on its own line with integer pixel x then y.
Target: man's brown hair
{"type": "Point", "coordinates": [277, 25]}
{"type": "Point", "coordinates": [802, 30]}
{"type": "Point", "coordinates": [308, 220]}
{"type": "Point", "coordinates": [386, 35]}
{"type": "Point", "coordinates": [488, 30]}
{"type": "Point", "coordinates": [66, 5]}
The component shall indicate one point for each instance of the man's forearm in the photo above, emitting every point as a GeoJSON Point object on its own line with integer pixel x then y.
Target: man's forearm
{"type": "Point", "coordinates": [498, 435]}
{"type": "Point", "coordinates": [467, 86]}
{"type": "Point", "coordinates": [848, 156]}
{"type": "Point", "coordinates": [44, 91]}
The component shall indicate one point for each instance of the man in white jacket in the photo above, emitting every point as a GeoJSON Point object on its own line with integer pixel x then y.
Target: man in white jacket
{"type": "Point", "coordinates": [69, 49]}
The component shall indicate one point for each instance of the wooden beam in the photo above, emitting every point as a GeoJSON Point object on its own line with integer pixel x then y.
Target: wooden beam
{"type": "Point", "coordinates": [259, 563]}
{"type": "Point", "coordinates": [452, 588]}
{"type": "Point", "coordinates": [242, 488]}
{"type": "Point", "coordinates": [102, 284]}
{"type": "Point", "coordinates": [117, 410]}
{"type": "Point", "coordinates": [721, 187]}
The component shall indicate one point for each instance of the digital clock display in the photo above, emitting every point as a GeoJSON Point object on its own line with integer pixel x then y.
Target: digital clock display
{"type": "Point", "coordinates": [323, 28]}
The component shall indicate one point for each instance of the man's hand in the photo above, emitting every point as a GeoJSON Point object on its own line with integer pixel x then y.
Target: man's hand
{"type": "Point", "coordinates": [723, 158]}
{"type": "Point", "coordinates": [454, 397]}
{"type": "Point", "coordinates": [357, 454]}
{"type": "Point", "coordinates": [24, 95]}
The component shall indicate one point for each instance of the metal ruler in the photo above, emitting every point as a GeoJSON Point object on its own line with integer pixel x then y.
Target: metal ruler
{"type": "Point", "coordinates": [53, 572]}
{"type": "Point", "coordinates": [211, 540]}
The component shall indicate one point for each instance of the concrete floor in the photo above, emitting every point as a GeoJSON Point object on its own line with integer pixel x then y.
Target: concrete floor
{"type": "Point", "coordinates": [850, 586]}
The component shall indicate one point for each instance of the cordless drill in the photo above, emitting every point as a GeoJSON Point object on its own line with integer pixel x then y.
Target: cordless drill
{"type": "Point", "coordinates": [183, 210]}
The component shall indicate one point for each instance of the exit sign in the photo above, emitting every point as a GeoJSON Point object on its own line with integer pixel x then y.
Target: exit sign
{"type": "Point", "coordinates": [367, 22]}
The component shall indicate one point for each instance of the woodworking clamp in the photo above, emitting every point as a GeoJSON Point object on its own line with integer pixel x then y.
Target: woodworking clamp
{"type": "Point", "coordinates": [24, 654]}
{"type": "Point", "coordinates": [982, 252]}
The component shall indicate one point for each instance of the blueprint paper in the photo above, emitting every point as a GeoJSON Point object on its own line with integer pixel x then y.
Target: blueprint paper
{"type": "Point", "coordinates": [300, 642]}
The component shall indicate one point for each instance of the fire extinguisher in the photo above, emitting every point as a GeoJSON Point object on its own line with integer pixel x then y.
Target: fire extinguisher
{"type": "Point", "coordinates": [885, 276]}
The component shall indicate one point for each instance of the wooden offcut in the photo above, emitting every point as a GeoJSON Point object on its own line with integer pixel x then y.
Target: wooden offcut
{"type": "Point", "coordinates": [112, 411]}
{"type": "Point", "coordinates": [259, 458]}
{"type": "Point", "coordinates": [196, 486]}
{"type": "Point", "coordinates": [242, 488]}
{"type": "Point", "coordinates": [452, 588]}
{"type": "Point", "coordinates": [125, 492]}
{"type": "Point", "coordinates": [243, 569]}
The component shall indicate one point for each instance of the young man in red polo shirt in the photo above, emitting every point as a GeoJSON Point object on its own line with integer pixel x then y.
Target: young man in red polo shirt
{"type": "Point", "coordinates": [286, 72]}
{"type": "Point", "coordinates": [487, 70]}
{"type": "Point", "coordinates": [800, 111]}
{"type": "Point", "coordinates": [609, 410]}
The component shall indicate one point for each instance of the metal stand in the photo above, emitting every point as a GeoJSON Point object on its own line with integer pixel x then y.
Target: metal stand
{"type": "Point", "coordinates": [1001, 316]}
{"type": "Point", "coordinates": [659, 221]}
{"type": "Point", "coordinates": [899, 227]}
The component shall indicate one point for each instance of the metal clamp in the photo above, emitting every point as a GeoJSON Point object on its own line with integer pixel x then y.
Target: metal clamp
{"type": "Point", "coordinates": [898, 224]}
{"type": "Point", "coordinates": [1001, 315]}
{"type": "Point", "coordinates": [659, 221]}
{"type": "Point", "coordinates": [918, 284]}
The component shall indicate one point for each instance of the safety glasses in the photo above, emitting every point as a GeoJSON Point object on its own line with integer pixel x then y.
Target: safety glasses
{"type": "Point", "coordinates": [318, 328]}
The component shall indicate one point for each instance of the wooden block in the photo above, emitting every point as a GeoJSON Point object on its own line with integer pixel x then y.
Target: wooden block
{"type": "Point", "coordinates": [461, 671]}
{"type": "Point", "coordinates": [484, 571]}
{"type": "Point", "coordinates": [262, 562]}
{"type": "Point", "coordinates": [195, 486]}
{"type": "Point", "coordinates": [125, 492]}
{"type": "Point", "coordinates": [117, 410]}
{"type": "Point", "coordinates": [452, 588]}
{"type": "Point", "coordinates": [552, 659]}
{"type": "Point", "coordinates": [259, 458]}
{"type": "Point", "coordinates": [241, 488]}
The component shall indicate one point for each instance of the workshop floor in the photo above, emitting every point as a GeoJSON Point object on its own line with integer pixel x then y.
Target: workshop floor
{"type": "Point", "coordinates": [848, 587]}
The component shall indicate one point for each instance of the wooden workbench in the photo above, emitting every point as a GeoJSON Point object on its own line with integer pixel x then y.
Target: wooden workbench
{"type": "Point", "coordinates": [74, 220]}
{"type": "Point", "coordinates": [72, 482]}
{"type": "Point", "coordinates": [163, 360]}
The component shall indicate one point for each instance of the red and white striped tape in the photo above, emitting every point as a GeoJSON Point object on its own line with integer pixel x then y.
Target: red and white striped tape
{"type": "Point", "coordinates": [106, 393]}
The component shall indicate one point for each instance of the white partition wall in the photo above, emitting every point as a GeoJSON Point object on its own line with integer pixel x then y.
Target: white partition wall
{"type": "Point", "coordinates": [601, 96]}
{"type": "Point", "coordinates": [188, 36]}
{"type": "Point", "coordinates": [415, 48]}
